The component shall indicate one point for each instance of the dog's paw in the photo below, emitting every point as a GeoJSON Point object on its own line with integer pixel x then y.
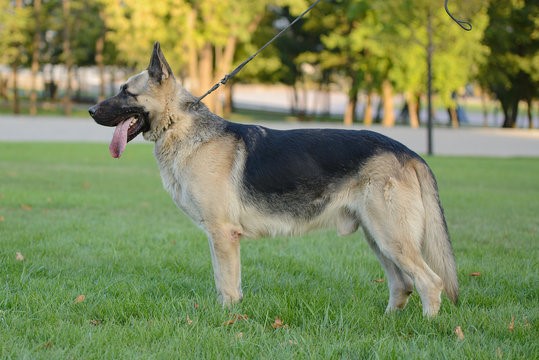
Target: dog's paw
{"type": "Point", "coordinates": [228, 299]}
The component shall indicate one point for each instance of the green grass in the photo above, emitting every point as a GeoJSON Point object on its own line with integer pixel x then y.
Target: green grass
{"type": "Point", "coordinates": [90, 225]}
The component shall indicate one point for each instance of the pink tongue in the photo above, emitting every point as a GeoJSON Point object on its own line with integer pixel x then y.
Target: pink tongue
{"type": "Point", "coordinates": [119, 139]}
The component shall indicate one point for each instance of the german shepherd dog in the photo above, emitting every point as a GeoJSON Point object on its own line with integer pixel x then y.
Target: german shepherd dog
{"type": "Point", "coordinates": [237, 181]}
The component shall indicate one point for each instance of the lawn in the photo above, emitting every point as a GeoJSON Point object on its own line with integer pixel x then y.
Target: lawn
{"type": "Point", "coordinates": [97, 263]}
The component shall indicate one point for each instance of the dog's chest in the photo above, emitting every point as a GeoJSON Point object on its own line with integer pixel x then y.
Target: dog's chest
{"type": "Point", "coordinates": [177, 181]}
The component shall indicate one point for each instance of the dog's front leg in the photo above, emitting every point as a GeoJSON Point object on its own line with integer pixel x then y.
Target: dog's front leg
{"type": "Point", "coordinates": [225, 253]}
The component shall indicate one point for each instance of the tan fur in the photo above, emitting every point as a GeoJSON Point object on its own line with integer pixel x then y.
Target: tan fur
{"type": "Point", "coordinates": [396, 221]}
{"type": "Point", "coordinates": [436, 249]}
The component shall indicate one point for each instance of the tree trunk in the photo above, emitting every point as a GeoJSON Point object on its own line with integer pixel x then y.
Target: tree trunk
{"type": "Point", "coordinates": [506, 117]}
{"type": "Point", "coordinates": [225, 63]}
{"type": "Point", "coordinates": [378, 116]}
{"type": "Point", "coordinates": [81, 83]}
{"type": "Point", "coordinates": [112, 80]}
{"type": "Point", "coordinates": [510, 112]}
{"type": "Point", "coordinates": [223, 60]}
{"type": "Point", "coordinates": [15, 73]}
{"type": "Point", "coordinates": [367, 116]}
{"type": "Point", "coordinates": [99, 46]}
{"type": "Point", "coordinates": [529, 112]}
{"type": "Point", "coordinates": [411, 100]}
{"type": "Point", "coordinates": [453, 117]}
{"type": "Point", "coordinates": [323, 98]}
{"type": "Point", "coordinates": [35, 58]}
{"type": "Point", "coordinates": [293, 99]}
{"type": "Point", "coordinates": [387, 98]}
{"type": "Point", "coordinates": [16, 105]}
{"type": "Point", "coordinates": [350, 113]}
{"type": "Point", "coordinates": [228, 107]}
{"type": "Point", "coordinates": [194, 81]}
{"type": "Point", "coordinates": [218, 53]}
{"type": "Point", "coordinates": [206, 74]}
{"type": "Point", "coordinates": [100, 59]}
{"type": "Point", "coordinates": [3, 88]}
{"type": "Point", "coordinates": [68, 59]}
{"type": "Point", "coordinates": [484, 108]}
{"type": "Point", "coordinates": [303, 112]}
{"type": "Point", "coordinates": [418, 110]}
{"type": "Point", "coordinates": [514, 114]}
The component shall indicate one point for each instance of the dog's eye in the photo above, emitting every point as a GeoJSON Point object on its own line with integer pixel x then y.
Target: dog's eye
{"type": "Point", "coordinates": [124, 90]}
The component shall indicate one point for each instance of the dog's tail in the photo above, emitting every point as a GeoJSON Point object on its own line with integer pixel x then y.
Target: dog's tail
{"type": "Point", "coordinates": [436, 246]}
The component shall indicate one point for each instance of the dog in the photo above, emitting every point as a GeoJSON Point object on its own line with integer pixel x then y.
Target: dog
{"type": "Point", "coordinates": [236, 181]}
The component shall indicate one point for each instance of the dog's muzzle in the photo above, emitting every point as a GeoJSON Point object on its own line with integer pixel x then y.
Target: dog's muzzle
{"type": "Point", "coordinates": [92, 110]}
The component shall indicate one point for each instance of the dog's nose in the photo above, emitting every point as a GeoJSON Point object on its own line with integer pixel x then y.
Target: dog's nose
{"type": "Point", "coordinates": [92, 110]}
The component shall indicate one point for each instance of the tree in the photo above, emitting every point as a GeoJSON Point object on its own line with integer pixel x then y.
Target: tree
{"type": "Point", "coordinates": [282, 61]}
{"type": "Point", "coordinates": [511, 70]}
{"type": "Point", "coordinates": [219, 35]}
{"type": "Point", "coordinates": [291, 48]}
{"type": "Point", "coordinates": [349, 50]}
{"type": "Point", "coordinates": [77, 27]}
{"type": "Point", "coordinates": [37, 15]}
{"type": "Point", "coordinates": [202, 36]}
{"type": "Point", "coordinates": [105, 50]}
{"type": "Point", "coordinates": [458, 53]}
{"type": "Point", "coordinates": [67, 55]}
{"type": "Point", "coordinates": [88, 38]}
{"type": "Point", "coordinates": [455, 52]}
{"type": "Point", "coordinates": [382, 47]}
{"type": "Point", "coordinates": [134, 25]}
{"type": "Point", "coordinates": [14, 40]}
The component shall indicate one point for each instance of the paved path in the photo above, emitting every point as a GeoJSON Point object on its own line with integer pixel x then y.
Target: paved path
{"type": "Point", "coordinates": [464, 141]}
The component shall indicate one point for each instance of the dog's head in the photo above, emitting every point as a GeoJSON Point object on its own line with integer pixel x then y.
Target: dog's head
{"type": "Point", "coordinates": [141, 99]}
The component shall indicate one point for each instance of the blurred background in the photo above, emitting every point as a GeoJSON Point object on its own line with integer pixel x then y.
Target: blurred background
{"type": "Point", "coordinates": [350, 61]}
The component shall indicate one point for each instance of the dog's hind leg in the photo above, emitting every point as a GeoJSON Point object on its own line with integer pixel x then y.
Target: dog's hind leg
{"type": "Point", "coordinates": [225, 253]}
{"type": "Point", "coordinates": [399, 283]}
{"type": "Point", "coordinates": [395, 218]}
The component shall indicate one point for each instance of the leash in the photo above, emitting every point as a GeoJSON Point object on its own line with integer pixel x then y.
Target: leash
{"type": "Point", "coordinates": [462, 23]}
{"type": "Point", "coordinates": [240, 66]}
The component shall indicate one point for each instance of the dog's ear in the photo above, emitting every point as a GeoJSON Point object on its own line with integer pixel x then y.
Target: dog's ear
{"type": "Point", "coordinates": [159, 69]}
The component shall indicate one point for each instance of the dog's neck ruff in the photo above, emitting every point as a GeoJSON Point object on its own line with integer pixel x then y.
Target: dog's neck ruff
{"type": "Point", "coordinates": [167, 122]}
{"type": "Point", "coordinates": [173, 113]}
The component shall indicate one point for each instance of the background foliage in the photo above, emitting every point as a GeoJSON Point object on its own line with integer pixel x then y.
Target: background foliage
{"type": "Point", "coordinates": [364, 47]}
